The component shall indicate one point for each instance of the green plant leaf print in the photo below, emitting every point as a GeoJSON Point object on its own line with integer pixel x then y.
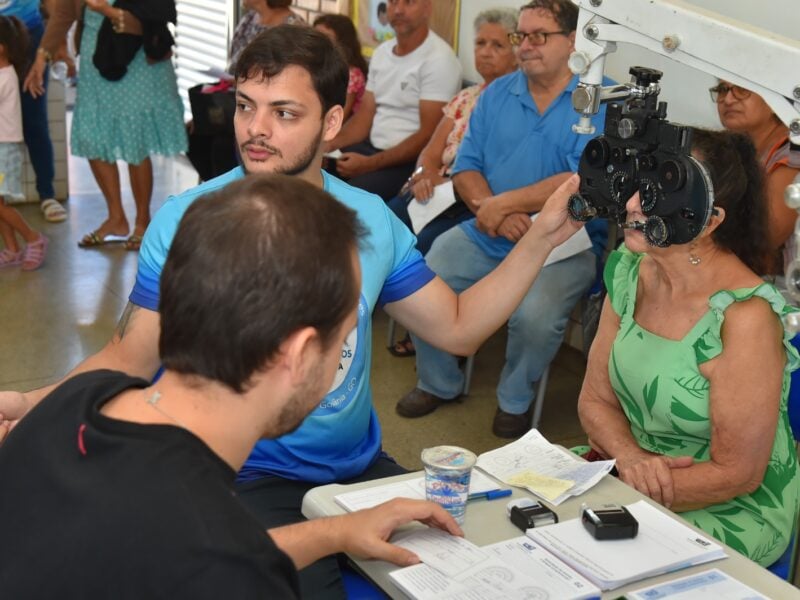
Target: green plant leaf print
{"type": "Point", "coordinates": [680, 410]}
{"type": "Point", "coordinates": [704, 350]}
{"type": "Point", "coordinates": [696, 386]}
{"type": "Point", "coordinates": [650, 395]}
{"type": "Point", "coordinates": [734, 542]}
{"type": "Point", "coordinates": [630, 405]}
{"type": "Point", "coordinates": [767, 548]}
{"type": "Point", "coordinates": [728, 524]}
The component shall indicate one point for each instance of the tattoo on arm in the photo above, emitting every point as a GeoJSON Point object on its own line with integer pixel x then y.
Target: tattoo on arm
{"type": "Point", "coordinates": [125, 320]}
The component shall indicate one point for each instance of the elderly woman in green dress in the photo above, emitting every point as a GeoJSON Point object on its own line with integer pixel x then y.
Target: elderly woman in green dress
{"type": "Point", "coordinates": [688, 377]}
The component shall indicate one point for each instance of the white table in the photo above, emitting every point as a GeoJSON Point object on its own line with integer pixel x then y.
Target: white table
{"type": "Point", "coordinates": [486, 522]}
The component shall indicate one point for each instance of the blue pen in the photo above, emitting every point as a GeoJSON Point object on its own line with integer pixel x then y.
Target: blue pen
{"type": "Point", "coordinates": [489, 495]}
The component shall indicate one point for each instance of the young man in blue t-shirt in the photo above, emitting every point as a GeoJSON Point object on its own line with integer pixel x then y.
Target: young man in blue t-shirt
{"type": "Point", "coordinates": [291, 87]}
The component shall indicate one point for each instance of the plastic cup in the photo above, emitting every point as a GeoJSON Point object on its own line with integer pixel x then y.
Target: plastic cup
{"type": "Point", "coordinates": [447, 474]}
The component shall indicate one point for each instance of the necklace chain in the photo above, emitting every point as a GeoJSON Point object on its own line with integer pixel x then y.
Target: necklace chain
{"type": "Point", "coordinates": [153, 399]}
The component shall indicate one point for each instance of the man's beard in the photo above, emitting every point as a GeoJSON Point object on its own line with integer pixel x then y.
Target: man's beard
{"type": "Point", "coordinates": [296, 408]}
{"type": "Point", "coordinates": [300, 164]}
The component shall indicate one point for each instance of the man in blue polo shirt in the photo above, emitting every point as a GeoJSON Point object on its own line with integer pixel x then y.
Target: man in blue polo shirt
{"type": "Point", "coordinates": [290, 89]}
{"type": "Point", "coordinates": [519, 147]}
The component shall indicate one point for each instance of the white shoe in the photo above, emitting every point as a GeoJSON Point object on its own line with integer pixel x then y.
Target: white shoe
{"type": "Point", "coordinates": [53, 211]}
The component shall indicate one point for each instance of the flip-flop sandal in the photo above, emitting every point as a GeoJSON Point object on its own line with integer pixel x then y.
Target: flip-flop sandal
{"type": "Point", "coordinates": [134, 242]}
{"type": "Point", "coordinates": [403, 348]}
{"type": "Point", "coordinates": [53, 211]}
{"type": "Point", "coordinates": [93, 240]}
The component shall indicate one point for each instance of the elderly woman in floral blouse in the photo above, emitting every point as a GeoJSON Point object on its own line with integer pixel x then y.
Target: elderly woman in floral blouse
{"type": "Point", "coordinates": [494, 57]}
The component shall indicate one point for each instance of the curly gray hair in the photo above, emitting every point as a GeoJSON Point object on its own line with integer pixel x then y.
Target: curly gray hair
{"type": "Point", "coordinates": [505, 17]}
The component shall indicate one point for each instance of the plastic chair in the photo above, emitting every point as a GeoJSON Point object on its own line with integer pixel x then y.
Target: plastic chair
{"type": "Point", "coordinates": [786, 566]}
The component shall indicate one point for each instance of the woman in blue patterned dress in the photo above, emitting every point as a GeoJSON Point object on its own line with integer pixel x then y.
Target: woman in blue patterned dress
{"type": "Point", "coordinates": [125, 109]}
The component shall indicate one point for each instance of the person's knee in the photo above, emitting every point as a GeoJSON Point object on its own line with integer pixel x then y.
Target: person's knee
{"type": "Point", "coordinates": [444, 257]}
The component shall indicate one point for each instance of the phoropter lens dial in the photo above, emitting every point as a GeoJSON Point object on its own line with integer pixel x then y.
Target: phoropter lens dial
{"type": "Point", "coordinates": [620, 187]}
{"type": "Point", "coordinates": [657, 232]}
{"type": "Point", "coordinates": [649, 195]}
{"type": "Point", "coordinates": [579, 208]}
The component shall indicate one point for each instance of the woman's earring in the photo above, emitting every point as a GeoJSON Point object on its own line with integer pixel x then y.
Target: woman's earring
{"type": "Point", "coordinates": [694, 260]}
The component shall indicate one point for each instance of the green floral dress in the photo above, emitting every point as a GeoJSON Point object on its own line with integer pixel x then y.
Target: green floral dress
{"type": "Point", "coordinates": [666, 399]}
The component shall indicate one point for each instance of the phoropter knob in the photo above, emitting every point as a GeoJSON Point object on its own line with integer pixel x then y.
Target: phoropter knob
{"type": "Point", "coordinates": [580, 209]}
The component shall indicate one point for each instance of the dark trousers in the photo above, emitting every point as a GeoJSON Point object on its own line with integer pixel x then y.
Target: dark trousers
{"type": "Point", "coordinates": [35, 129]}
{"type": "Point", "coordinates": [276, 501]}
{"type": "Point", "coordinates": [386, 183]}
{"type": "Point", "coordinates": [449, 218]}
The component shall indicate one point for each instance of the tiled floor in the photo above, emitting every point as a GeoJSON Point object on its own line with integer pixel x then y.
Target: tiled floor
{"type": "Point", "coordinates": [51, 318]}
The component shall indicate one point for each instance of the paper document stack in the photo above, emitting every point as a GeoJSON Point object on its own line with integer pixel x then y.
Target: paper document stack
{"type": "Point", "coordinates": [549, 472]}
{"type": "Point", "coordinates": [663, 545]}
{"type": "Point", "coordinates": [454, 568]}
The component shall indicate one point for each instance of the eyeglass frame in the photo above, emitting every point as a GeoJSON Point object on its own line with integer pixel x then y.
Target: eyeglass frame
{"type": "Point", "coordinates": [527, 36]}
{"type": "Point", "coordinates": [740, 93]}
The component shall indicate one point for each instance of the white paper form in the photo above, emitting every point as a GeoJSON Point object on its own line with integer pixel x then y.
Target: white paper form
{"type": "Point", "coordinates": [662, 545]}
{"type": "Point", "coordinates": [700, 586]}
{"type": "Point", "coordinates": [547, 471]}
{"type": "Point", "coordinates": [217, 73]}
{"type": "Point", "coordinates": [577, 242]}
{"type": "Point", "coordinates": [449, 554]}
{"type": "Point", "coordinates": [515, 569]}
{"type": "Point", "coordinates": [421, 214]}
{"type": "Point", "coordinates": [410, 488]}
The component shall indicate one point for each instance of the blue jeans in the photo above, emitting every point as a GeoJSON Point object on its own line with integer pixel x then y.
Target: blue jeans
{"type": "Point", "coordinates": [535, 330]}
{"type": "Point", "coordinates": [35, 129]}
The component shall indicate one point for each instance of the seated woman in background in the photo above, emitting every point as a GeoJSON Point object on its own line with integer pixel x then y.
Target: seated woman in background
{"type": "Point", "coordinates": [743, 111]}
{"type": "Point", "coordinates": [342, 32]}
{"type": "Point", "coordinates": [260, 15]}
{"type": "Point", "coordinates": [494, 57]}
{"type": "Point", "coordinates": [688, 377]}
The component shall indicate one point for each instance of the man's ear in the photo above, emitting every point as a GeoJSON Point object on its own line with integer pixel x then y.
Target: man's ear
{"type": "Point", "coordinates": [571, 38]}
{"type": "Point", "coordinates": [297, 352]}
{"type": "Point", "coordinates": [333, 121]}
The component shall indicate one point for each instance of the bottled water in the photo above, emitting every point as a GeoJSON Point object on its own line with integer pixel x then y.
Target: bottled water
{"type": "Point", "coordinates": [59, 71]}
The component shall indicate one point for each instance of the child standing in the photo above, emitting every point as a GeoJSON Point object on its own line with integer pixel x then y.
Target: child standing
{"type": "Point", "coordinates": [13, 48]}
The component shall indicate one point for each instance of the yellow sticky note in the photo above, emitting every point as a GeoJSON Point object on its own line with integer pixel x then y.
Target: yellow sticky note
{"type": "Point", "coordinates": [548, 488]}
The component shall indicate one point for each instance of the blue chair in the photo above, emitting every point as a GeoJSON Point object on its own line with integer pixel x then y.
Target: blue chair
{"type": "Point", "coordinates": [358, 587]}
{"type": "Point", "coordinates": [784, 567]}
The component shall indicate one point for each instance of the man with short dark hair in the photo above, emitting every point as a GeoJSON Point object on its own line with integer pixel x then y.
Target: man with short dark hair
{"type": "Point", "coordinates": [132, 495]}
{"type": "Point", "coordinates": [291, 87]}
{"type": "Point", "coordinates": [519, 148]}
{"type": "Point", "coordinates": [411, 78]}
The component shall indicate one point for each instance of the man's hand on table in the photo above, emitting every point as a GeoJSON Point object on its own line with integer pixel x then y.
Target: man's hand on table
{"type": "Point", "coordinates": [365, 533]}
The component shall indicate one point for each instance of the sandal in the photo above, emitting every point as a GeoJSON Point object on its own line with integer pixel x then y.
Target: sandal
{"type": "Point", "coordinates": [134, 242]}
{"type": "Point", "coordinates": [403, 348]}
{"type": "Point", "coordinates": [9, 258]}
{"type": "Point", "coordinates": [53, 211]}
{"type": "Point", "coordinates": [34, 253]}
{"type": "Point", "coordinates": [93, 240]}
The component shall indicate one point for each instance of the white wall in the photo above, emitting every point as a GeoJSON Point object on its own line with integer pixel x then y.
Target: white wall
{"type": "Point", "coordinates": [683, 88]}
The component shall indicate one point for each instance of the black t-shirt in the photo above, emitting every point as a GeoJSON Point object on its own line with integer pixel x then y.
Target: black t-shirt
{"type": "Point", "coordinates": [94, 507]}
